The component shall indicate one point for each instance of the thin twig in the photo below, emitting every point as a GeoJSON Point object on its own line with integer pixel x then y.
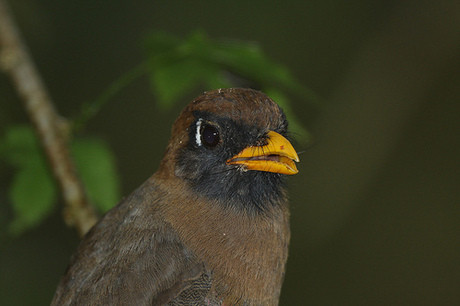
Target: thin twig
{"type": "Point", "coordinates": [90, 109]}
{"type": "Point", "coordinates": [50, 127]}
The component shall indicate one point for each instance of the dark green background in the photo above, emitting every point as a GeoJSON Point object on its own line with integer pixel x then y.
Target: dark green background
{"type": "Point", "coordinates": [375, 207]}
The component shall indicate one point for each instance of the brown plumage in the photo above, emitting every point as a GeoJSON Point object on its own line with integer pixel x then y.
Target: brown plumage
{"type": "Point", "coordinates": [210, 227]}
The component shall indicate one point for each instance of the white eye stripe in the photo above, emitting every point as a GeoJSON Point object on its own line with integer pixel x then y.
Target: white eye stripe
{"type": "Point", "coordinates": [198, 132]}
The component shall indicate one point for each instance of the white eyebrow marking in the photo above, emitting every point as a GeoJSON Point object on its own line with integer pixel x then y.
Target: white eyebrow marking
{"type": "Point", "coordinates": [198, 134]}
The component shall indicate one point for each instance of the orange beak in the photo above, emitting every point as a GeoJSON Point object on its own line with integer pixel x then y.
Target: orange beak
{"type": "Point", "coordinates": [277, 156]}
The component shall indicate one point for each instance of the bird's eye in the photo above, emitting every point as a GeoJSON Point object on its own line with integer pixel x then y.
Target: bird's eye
{"type": "Point", "coordinates": [209, 135]}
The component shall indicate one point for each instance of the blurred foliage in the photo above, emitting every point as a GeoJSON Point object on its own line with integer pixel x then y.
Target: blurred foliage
{"type": "Point", "coordinates": [175, 67]}
{"type": "Point", "coordinates": [96, 166]}
{"type": "Point", "coordinates": [33, 192]}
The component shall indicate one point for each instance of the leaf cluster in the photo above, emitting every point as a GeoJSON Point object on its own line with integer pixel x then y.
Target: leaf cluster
{"type": "Point", "coordinates": [33, 193]}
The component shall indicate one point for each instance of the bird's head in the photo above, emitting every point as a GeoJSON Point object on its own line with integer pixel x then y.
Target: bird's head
{"type": "Point", "coordinates": [230, 145]}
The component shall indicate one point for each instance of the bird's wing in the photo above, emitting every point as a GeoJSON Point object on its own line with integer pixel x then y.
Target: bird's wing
{"type": "Point", "coordinates": [132, 257]}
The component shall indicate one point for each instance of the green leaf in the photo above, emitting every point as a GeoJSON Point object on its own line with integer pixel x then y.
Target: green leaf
{"type": "Point", "coordinates": [178, 66]}
{"type": "Point", "coordinates": [19, 145]}
{"type": "Point", "coordinates": [96, 166]}
{"type": "Point", "coordinates": [33, 191]}
{"type": "Point", "coordinates": [173, 81]}
{"type": "Point", "coordinates": [32, 194]}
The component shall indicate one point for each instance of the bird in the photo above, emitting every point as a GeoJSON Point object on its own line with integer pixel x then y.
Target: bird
{"type": "Point", "coordinates": [209, 227]}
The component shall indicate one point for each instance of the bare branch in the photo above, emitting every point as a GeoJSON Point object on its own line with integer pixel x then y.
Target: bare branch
{"type": "Point", "coordinates": [51, 129]}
